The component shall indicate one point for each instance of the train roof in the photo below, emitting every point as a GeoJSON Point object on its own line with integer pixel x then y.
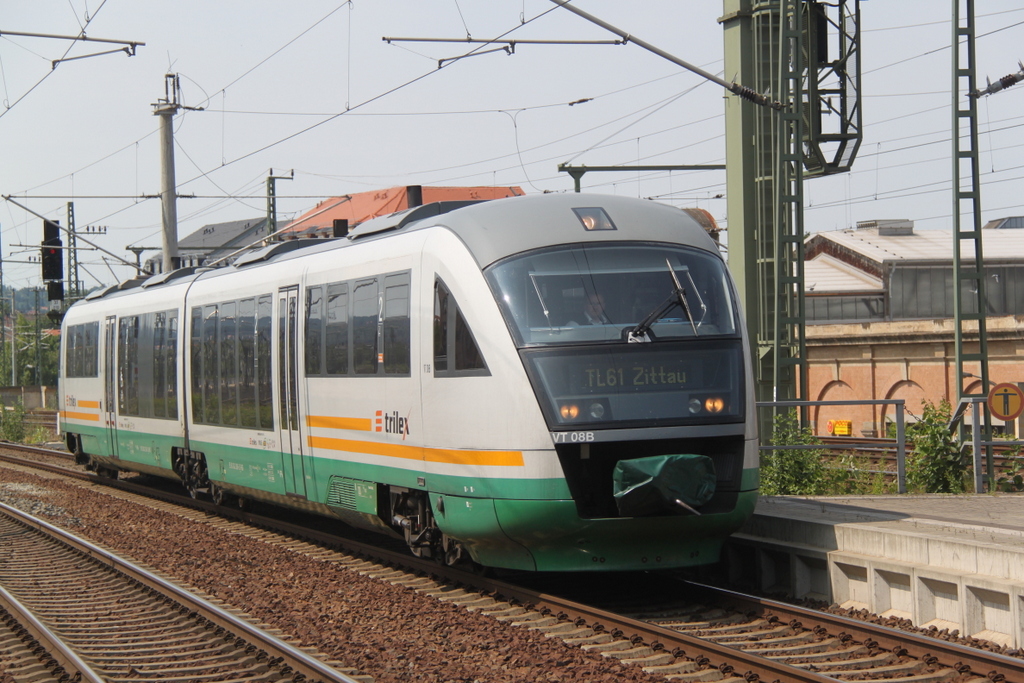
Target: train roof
{"type": "Point", "coordinates": [496, 229]}
{"type": "Point", "coordinates": [491, 230]}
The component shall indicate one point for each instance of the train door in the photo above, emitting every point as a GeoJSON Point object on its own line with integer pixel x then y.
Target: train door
{"type": "Point", "coordinates": [291, 434]}
{"type": "Point", "coordinates": [110, 381]}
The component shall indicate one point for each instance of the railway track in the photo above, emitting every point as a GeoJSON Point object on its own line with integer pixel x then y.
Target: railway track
{"type": "Point", "coordinates": [670, 628]}
{"type": "Point", "coordinates": [92, 616]}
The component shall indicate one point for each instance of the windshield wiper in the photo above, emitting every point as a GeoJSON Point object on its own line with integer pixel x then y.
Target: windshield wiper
{"type": "Point", "coordinates": [543, 304]}
{"type": "Point", "coordinates": [676, 298]}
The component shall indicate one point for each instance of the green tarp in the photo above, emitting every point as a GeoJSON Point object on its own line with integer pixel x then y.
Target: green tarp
{"type": "Point", "coordinates": [663, 484]}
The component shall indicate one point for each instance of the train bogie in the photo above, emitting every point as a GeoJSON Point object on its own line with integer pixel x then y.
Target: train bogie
{"type": "Point", "coordinates": [433, 376]}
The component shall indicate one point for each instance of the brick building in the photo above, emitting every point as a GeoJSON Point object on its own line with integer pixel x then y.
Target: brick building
{"type": "Point", "coordinates": [880, 317]}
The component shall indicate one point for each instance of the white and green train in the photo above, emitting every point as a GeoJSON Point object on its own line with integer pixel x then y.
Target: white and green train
{"type": "Point", "coordinates": [554, 382]}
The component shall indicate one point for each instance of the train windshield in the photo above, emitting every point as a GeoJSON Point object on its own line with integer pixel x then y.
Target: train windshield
{"type": "Point", "coordinates": [575, 312]}
{"type": "Point", "coordinates": [608, 292]}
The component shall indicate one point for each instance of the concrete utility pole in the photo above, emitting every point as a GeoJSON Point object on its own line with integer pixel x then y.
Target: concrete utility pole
{"type": "Point", "coordinates": [166, 109]}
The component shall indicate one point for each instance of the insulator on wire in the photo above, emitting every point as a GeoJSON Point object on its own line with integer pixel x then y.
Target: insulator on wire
{"type": "Point", "coordinates": [1003, 83]}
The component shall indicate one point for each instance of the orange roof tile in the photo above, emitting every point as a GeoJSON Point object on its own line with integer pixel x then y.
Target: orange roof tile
{"type": "Point", "coordinates": [356, 208]}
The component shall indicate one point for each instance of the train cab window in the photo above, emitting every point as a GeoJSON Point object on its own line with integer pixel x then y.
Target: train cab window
{"type": "Point", "coordinates": [314, 331]}
{"type": "Point", "coordinates": [600, 293]}
{"type": "Point", "coordinates": [455, 350]}
{"type": "Point", "coordinates": [396, 324]}
{"type": "Point", "coordinates": [336, 346]}
{"type": "Point", "coordinates": [365, 312]}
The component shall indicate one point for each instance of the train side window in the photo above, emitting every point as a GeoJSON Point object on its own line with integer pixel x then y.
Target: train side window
{"type": "Point", "coordinates": [396, 324]}
{"type": "Point", "coordinates": [247, 363]}
{"type": "Point", "coordinates": [90, 363]}
{"type": "Point", "coordinates": [456, 353]}
{"type": "Point", "coordinates": [128, 366]}
{"type": "Point", "coordinates": [228, 368]}
{"type": "Point", "coordinates": [171, 366]}
{"type": "Point", "coordinates": [70, 351]}
{"type": "Point", "coordinates": [159, 335]}
{"type": "Point", "coordinates": [264, 327]}
{"type": "Point", "coordinates": [80, 352]}
{"type": "Point", "coordinates": [336, 346]}
{"type": "Point", "coordinates": [314, 331]}
{"type": "Point", "coordinates": [441, 297]}
{"type": "Point", "coordinates": [365, 317]}
{"type": "Point", "coordinates": [211, 371]}
{"type": "Point", "coordinates": [196, 363]}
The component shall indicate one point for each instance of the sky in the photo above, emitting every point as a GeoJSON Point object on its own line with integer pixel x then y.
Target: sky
{"type": "Point", "coordinates": [313, 88]}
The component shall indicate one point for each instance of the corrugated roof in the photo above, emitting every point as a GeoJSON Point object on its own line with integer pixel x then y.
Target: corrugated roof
{"type": "Point", "coordinates": [826, 273]}
{"type": "Point", "coordinates": [216, 235]}
{"type": "Point", "coordinates": [931, 245]}
{"type": "Point", "coordinates": [360, 207]}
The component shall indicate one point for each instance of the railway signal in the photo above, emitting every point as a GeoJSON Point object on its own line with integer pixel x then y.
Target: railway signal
{"type": "Point", "coordinates": [52, 252]}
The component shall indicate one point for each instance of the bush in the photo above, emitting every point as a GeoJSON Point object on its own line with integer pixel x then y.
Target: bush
{"type": "Point", "coordinates": [935, 463]}
{"type": "Point", "coordinates": [12, 422]}
{"type": "Point", "coordinates": [791, 472]}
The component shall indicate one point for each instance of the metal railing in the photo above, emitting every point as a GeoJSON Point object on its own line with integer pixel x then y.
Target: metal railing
{"type": "Point", "coordinates": [901, 436]}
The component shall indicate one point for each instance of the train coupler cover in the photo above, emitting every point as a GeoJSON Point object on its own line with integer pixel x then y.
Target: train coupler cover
{"type": "Point", "coordinates": [663, 484]}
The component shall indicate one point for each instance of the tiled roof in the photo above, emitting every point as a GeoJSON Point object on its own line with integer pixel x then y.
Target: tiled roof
{"type": "Point", "coordinates": [360, 207]}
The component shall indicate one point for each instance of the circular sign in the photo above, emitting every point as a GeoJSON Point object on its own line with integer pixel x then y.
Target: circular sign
{"type": "Point", "coordinates": [1006, 401]}
{"type": "Point", "coordinates": [831, 426]}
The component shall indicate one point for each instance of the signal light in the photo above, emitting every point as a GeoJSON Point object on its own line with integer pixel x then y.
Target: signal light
{"type": "Point", "coordinates": [51, 252]}
{"type": "Point", "coordinates": [569, 411]}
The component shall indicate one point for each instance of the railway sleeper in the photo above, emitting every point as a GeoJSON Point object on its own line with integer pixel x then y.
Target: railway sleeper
{"type": "Point", "coordinates": [913, 669]}
{"type": "Point", "coordinates": [856, 664]}
{"type": "Point", "coordinates": [758, 643]}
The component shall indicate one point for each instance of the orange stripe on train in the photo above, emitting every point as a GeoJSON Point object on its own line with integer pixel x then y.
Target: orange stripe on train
{"type": "Point", "coordinates": [393, 450]}
{"type": "Point", "coordinates": [89, 417]}
{"type": "Point", "coordinates": [359, 424]}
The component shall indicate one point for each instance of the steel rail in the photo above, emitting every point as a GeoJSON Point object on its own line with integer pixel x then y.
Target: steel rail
{"type": "Point", "coordinates": [952, 655]}
{"type": "Point", "coordinates": [299, 661]}
{"type": "Point", "coordinates": [56, 649]}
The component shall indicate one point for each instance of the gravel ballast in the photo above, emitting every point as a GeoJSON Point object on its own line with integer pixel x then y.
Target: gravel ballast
{"type": "Point", "coordinates": [388, 632]}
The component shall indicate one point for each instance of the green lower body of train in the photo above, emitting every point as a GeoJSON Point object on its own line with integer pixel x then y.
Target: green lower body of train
{"type": "Point", "coordinates": [512, 523]}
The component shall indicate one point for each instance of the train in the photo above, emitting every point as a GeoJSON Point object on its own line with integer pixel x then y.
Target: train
{"type": "Point", "coordinates": [551, 382]}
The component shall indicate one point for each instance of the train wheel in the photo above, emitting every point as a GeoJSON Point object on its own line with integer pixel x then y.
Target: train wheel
{"type": "Point", "coordinates": [196, 479]}
{"type": "Point", "coordinates": [107, 472]}
{"type": "Point", "coordinates": [219, 495]}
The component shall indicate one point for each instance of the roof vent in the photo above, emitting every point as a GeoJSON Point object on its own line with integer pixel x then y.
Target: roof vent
{"type": "Point", "coordinates": [889, 228]}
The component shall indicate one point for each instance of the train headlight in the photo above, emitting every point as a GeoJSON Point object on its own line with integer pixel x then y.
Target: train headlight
{"type": "Point", "coordinates": [569, 411]}
{"type": "Point", "coordinates": [695, 405]}
{"type": "Point", "coordinates": [597, 410]}
{"type": "Point", "coordinates": [714, 404]}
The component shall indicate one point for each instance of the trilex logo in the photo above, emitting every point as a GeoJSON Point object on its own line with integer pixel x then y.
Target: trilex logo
{"type": "Point", "coordinates": [392, 423]}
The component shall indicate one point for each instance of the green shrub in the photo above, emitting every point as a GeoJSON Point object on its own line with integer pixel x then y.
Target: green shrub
{"type": "Point", "coordinates": [12, 422]}
{"type": "Point", "coordinates": [935, 464]}
{"type": "Point", "coordinates": [791, 471]}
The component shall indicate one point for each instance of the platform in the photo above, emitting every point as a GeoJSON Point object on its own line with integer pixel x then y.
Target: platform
{"type": "Point", "coordinates": [953, 562]}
